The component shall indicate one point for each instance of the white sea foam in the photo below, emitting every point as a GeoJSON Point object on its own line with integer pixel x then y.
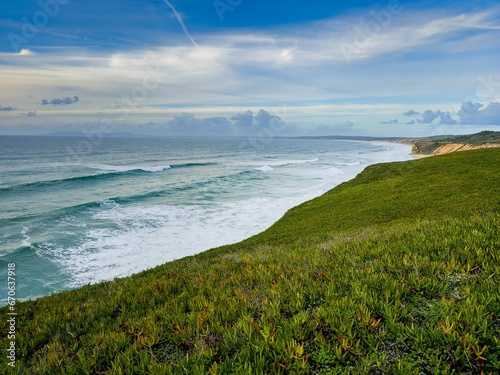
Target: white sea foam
{"type": "Point", "coordinates": [155, 169]}
{"type": "Point", "coordinates": [350, 164]}
{"type": "Point", "coordinates": [26, 241]}
{"type": "Point", "coordinates": [265, 168]}
{"type": "Point", "coordinates": [148, 236]}
{"type": "Point", "coordinates": [272, 163]}
{"type": "Point", "coordinates": [280, 163]}
{"type": "Point", "coordinates": [140, 236]}
{"type": "Point", "coordinates": [195, 209]}
{"type": "Point", "coordinates": [127, 168]}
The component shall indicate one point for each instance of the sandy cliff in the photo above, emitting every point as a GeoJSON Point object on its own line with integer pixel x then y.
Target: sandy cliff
{"type": "Point", "coordinates": [428, 148]}
{"type": "Point", "coordinates": [453, 147]}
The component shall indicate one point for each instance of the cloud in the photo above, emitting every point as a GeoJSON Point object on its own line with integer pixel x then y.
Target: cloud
{"type": "Point", "coordinates": [392, 122]}
{"type": "Point", "coordinates": [300, 65]}
{"type": "Point", "coordinates": [412, 122]}
{"type": "Point", "coordinates": [340, 128]}
{"type": "Point", "coordinates": [429, 116]}
{"type": "Point", "coordinates": [411, 31]}
{"type": "Point", "coordinates": [243, 119]}
{"type": "Point", "coordinates": [264, 119]}
{"type": "Point", "coordinates": [63, 101]}
{"type": "Point", "coordinates": [244, 123]}
{"type": "Point", "coordinates": [472, 114]}
{"type": "Point", "coordinates": [187, 123]}
{"type": "Point", "coordinates": [445, 119]}
{"type": "Point", "coordinates": [7, 109]}
{"type": "Point", "coordinates": [181, 22]}
{"type": "Point", "coordinates": [218, 125]}
{"type": "Point", "coordinates": [346, 126]}
{"type": "Point", "coordinates": [410, 113]}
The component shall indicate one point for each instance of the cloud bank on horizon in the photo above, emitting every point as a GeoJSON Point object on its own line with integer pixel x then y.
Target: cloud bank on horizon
{"type": "Point", "coordinates": [230, 68]}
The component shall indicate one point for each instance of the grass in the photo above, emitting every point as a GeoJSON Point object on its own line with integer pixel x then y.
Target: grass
{"type": "Point", "coordinates": [485, 136]}
{"type": "Point", "coordinates": [394, 272]}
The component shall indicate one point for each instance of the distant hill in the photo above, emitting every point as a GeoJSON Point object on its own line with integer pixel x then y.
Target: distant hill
{"type": "Point", "coordinates": [351, 138]}
{"type": "Point", "coordinates": [477, 138]}
{"type": "Point", "coordinates": [443, 144]}
{"type": "Point", "coordinates": [107, 135]}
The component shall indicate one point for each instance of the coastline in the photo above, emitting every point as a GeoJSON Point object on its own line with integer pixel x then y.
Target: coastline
{"type": "Point", "coordinates": [354, 256]}
{"type": "Point", "coordinates": [120, 258]}
{"type": "Point", "coordinates": [442, 149]}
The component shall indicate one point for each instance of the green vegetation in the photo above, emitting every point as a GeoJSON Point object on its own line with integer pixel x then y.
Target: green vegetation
{"type": "Point", "coordinates": [477, 138]}
{"type": "Point", "coordinates": [394, 272]}
{"type": "Point", "coordinates": [427, 146]}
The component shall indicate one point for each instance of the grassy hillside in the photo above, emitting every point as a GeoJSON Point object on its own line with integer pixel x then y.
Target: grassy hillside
{"type": "Point", "coordinates": [481, 137]}
{"type": "Point", "coordinates": [394, 272]}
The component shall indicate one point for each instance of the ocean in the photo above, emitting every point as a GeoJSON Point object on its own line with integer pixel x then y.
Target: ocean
{"type": "Point", "coordinates": [75, 212]}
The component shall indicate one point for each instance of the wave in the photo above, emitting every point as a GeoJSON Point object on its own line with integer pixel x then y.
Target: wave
{"type": "Point", "coordinates": [145, 236]}
{"type": "Point", "coordinates": [276, 163]}
{"type": "Point", "coordinates": [190, 165]}
{"type": "Point", "coordinates": [265, 168]}
{"type": "Point", "coordinates": [57, 213]}
{"type": "Point", "coordinates": [281, 163]}
{"type": "Point", "coordinates": [350, 164]}
{"type": "Point", "coordinates": [113, 172]}
{"type": "Point", "coordinates": [130, 168]}
{"type": "Point", "coordinates": [113, 202]}
{"type": "Point", "coordinates": [124, 168]}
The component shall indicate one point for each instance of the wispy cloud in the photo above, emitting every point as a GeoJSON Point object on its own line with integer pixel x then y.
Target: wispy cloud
{"type": "Point", "coordinates": [63, 101]}
{"type": "Point", "coordinates": [181, 22]}
{"type": "Point", "coordinates": [300, 66]}
{"type": "Point", "coordinates": [411, 113]}
{"type": "Point", "coordinates": [391, 122]}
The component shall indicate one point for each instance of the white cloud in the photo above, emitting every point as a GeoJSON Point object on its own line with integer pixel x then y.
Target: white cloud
{"type": "Point", "coordinates": [410, 113]}
{"type": "Point", "coordinates": [429, 116]}
{"type": "Point", "coordinates": [230, 72]}
{"type": "Point", "coordinates": [477, 114]}
{"type": "Point", "coordinates": [471, 113]}
{"type": "Point", "coordinates": [181, 22]}
{"type": "Point", "coordinates": [241, 124]}
{"type": "Point", "coordinates": [340, 128]}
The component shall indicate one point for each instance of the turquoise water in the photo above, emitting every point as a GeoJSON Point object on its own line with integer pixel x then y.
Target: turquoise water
{"type": "Point", "coordinates": [72, 214]}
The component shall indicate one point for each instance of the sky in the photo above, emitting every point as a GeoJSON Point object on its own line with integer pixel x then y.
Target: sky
{"type": "Point", "coordinates": [241, 67]}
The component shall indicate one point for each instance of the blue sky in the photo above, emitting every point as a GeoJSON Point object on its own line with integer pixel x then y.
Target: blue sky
{"type": "Point", "coordinates": [239, 67]}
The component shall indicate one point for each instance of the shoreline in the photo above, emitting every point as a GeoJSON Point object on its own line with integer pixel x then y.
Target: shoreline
{"type": "Point", "coordinates": [358, 251]}
{"type": "Point", "coordinates": [391, 154]}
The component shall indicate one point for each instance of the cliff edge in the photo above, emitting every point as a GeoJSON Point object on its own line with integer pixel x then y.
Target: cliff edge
{"type": "Point", "coordinates": [440, 145]}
